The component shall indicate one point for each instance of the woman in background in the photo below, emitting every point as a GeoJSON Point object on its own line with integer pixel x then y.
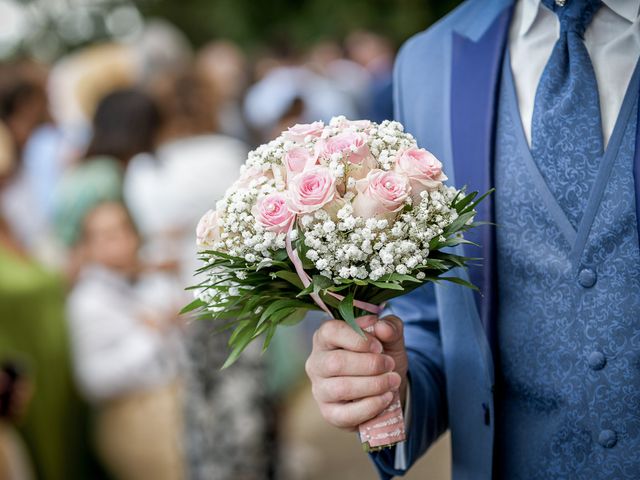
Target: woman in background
{"type": "Point", "coordinates": [126, 349]}
{"type": "Point", "coordinates": [125, 124]}
{"type": "Point", "coordinates": [33, 334]}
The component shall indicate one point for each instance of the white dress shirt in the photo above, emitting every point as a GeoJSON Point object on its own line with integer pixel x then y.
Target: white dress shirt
{"type": "Point", "coordinates": [613, 42]}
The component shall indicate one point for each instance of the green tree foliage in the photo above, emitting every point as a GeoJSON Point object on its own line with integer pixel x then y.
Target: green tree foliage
{"type": "Point", "coordinates": [299, 23]}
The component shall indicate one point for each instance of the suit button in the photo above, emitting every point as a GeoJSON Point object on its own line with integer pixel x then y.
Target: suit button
{"type": "Point", "coordinates": [587, 277]}
{"type": "Point", "coordinates": [607, 438]}
{"type": "Point", "coordinates": [597, 360]}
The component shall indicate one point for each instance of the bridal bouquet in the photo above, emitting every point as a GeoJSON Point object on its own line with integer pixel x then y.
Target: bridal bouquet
{"type": "Point", "coordinates": [339, 218]}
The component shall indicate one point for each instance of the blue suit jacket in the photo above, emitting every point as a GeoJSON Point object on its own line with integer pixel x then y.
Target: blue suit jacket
{"type": "Point", "coordinates": [445, 90]}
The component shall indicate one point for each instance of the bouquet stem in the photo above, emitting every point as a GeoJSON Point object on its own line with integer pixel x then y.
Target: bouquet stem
{"type": "Point", "coordinates": [387, 429]}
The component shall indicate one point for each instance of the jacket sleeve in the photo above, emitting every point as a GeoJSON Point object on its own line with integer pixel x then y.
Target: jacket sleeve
{"type": "Point", "coordinates": [429, 416]}
{"type": "Point", "coordinates": [418, 310]}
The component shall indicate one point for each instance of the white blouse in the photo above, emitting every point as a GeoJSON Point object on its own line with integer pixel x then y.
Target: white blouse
{"type": "Point", "coordinates": [114, 351]}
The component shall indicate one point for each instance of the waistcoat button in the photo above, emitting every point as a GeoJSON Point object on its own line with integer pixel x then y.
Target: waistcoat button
{"type": "Point", "coordinates": [597, 360]}
{"type": "Point", "coordinates": [587, 277]}
{"type": "Point", "coordinates": [607, 438]}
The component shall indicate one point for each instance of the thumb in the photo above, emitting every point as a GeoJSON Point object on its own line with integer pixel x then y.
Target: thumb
{"type": "Point", "coordinates": [390, 332]}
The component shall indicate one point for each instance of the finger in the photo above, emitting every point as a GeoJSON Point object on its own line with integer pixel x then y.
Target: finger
{"type": "Point", "coordinates": [343, 389]}
{"type": "Point", "coordinates": [389, 330]}
{"type": "Point", "coordinates": [336, 334]}
{"type": "Point", "coordinates": [343, 363]}
{"type": "Point", "coordinates": [367, 322]}
{"type": "Point", "coordinates": [352, 414]}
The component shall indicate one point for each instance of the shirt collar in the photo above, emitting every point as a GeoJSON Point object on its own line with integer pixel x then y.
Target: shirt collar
{"type": "Point", "coordinates": [627, 9]}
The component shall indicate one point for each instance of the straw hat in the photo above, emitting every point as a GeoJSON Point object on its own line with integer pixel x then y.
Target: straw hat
{"type": "Point", "coordinates": [79, 81]}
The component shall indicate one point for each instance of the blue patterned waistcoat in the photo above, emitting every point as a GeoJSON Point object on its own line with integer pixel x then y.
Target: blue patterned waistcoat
{"type": "Point", "coordinates": [568, 405]}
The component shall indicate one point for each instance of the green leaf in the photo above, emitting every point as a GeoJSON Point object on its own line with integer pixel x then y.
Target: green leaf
{"type": "Point", "coordinates": [267, 340]}
{"type": "Point", "coordinates": [226, 314]}
{"type": "Point", "coordinates": [398, 277]}
{"type": "Point", "coordinates": [235, 353]}
{"type": "Point", "coordinates": [290, 277]}
{"type": "Point", "coordinates": [279, 305]}
{"type": "Point", "coordinates": [388, 285]}
{"type": "Point", "coordinates": [482, 197]}
{"type": "Point", "coordinates": [302, 253]}
{"type": "Point", "coordinates": [281, 255]}
{"type": "Point", "coordinates": [460, 281]}
{"type": "Point", "coordinates": [435, 264]}
{"type": "Point", "coordinates": [322, 282]}
{"type": "Point", "coordinates": [346, 310]}
{"type": "Point", "coordinates": [244, 328]}
{"type": "Point", "coordinates": [226, 326]}
{"type": "Point", "coordinates": [243, 336]}
{"type": "Point", "coordinates": [337, 288]}
{"type": "Point", "coordinates": [458, 223]}
{"type": "Point", "coordinates": [463, 202]}
{"type": "Point", "coordinates": [455, 241]}
{"type": "Point", "coordinates": [197, 303]}
{"type": "Point", "coordinates": [260, 330]}
{"type": "Point", "coordinates": [295, 317]}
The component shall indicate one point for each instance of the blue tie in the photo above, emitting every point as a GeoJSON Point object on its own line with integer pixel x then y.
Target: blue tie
{"type": "Point", "coordinates": [566, 131]}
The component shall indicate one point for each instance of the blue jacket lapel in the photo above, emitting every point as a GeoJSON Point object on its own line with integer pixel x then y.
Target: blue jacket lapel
{"type": "Point", "coordinates": [636, 172]}
{"type": "Point", "coordinates": [475, 75]}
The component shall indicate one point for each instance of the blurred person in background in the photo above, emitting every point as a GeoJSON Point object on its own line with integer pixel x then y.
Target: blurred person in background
{"type": "Point", "coordinates": [224, 67]}
{"type": "Point", "coordinates": [81, 79]}
{"type": "Point", "coordinates": [227, 413]}
{"type": "Point", "coordinates": [161, 50]}
{"type": "Point", "coordinates": [15, 393]}
{"type": "Point", "coordinates": [33, 332]}
{"type": "Point", "coordinates": [287, 86]}
{"type": "Point", "coordinates": [125, 124]}
{"type": "Point", "coordinates": [23, 110]}
{"type": "Point", "coordinates": [23, 105]}
{"type": "Point", "coordinates": [190, 168]}
{"type": "Point", "coordinates": [376, 55]}
{"type": "Point", "coordinates": [327, 58]}
{"type": "Point", "coordinates": [126, 346]}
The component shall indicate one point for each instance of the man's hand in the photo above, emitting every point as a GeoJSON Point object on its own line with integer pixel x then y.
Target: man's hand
{"type": "Point", "coordinates": [352, 380]}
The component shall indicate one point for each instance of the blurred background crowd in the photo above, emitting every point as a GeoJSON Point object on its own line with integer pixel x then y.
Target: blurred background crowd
{"type": "Point", "coordinates": [121, 123]}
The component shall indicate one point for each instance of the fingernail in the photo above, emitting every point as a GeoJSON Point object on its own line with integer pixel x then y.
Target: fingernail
{"type": "Point", "coordinates": [387, 397]}
{"type": "Point", "coordinates": [394, 381]}
{"type": "Point", "coordinates": [389, 363]}
{"type": "Point", "coordinates": [375, 347]}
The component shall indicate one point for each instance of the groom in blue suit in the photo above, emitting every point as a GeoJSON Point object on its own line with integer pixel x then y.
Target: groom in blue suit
{"type": "Point", "coordinates": [537, 377]}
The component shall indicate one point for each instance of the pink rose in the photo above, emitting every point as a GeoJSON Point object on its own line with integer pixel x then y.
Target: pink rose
{"type": "Point", "coordinates": [273, 213]}
{"type": "Point", "coordinates": [311, 189]}
{"type": "Point", "coordinates": [298, 159]}
{"type": "Point", "coordinates": [351, 144]}
{"type": "Point", "coordinates": [423, 169]}
{"type": "Point", "coordinates": [208, 231]}
{"type": "Point", "coordinates": [380, 194]}
{"type": "Point", "coordinates": [361, 170]}
{"type": "Point", "coordinates": [300, 131]}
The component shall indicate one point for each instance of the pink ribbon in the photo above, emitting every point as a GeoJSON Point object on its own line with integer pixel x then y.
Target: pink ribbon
{"type": "Point", "coordinates": [306, 281]}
